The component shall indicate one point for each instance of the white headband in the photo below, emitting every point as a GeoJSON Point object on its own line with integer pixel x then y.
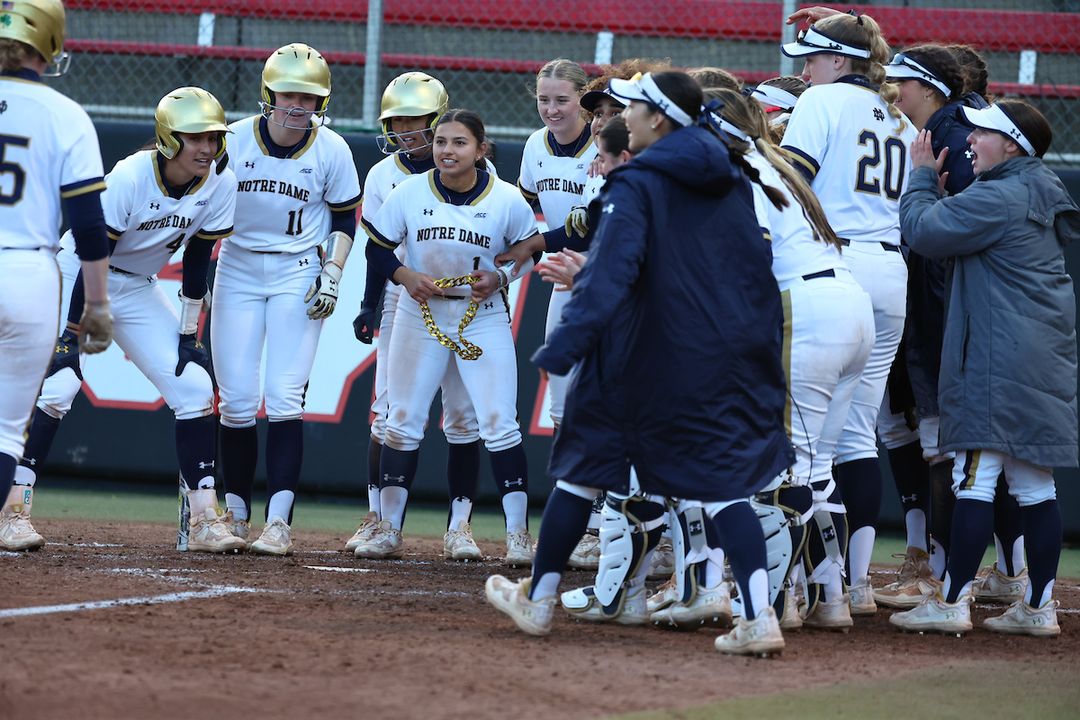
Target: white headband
{"type": "Point", "coordinates": [813, 42]}
{"type": "Point", "coordinates": [905, 67]}
{"type": "Point", "coordinates": [775, 96]}
{"type": "Point", "coordinates": [731, 129]}
{"type": "Point", "coordinates": [996, 119]}
{"type": "Point", "coordinates": [645, 89]}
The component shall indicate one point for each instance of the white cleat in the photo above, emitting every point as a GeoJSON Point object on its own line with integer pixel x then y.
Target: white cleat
{"type": "Point", "coordinates": [906, 591]}
{"type": "Point", "coordinates": [583, 605]}
{"type": "Point", "coordinates": [519, 549]}
{"type": "Point", "coordinates": [276, 539]}
{"type": "Point", "coordinates": [710, 606]}
{"type": "Point", "coordinates": [385, 543]}
{"type": "Point", "coordinates": [512, 598]}
{"type": "Point", "coordinates": [662, 562]}
{"type": "Point", "coordinates": [363, 533]}
{"type": "Point", "coordinates": [16, 531]}
{"type": "Point", "coordinates": [760, 636]}
{"type": "Point", "coordinates": [212, 532]}
{"type": "Point", "coordinates": [459, 544]}
{"type": "Point", "coordinates": [586, 555]}
{"type": "Point", "coordinates": [861, 596]}
{"type": "Point", "coordinates": [993, 586]}
{"type": "Point", "coordinates": [665, 595]}
{"type": "Point", "coordinates": [792, 618]}
{"type": "Point", "coordinates": [1022, 619]}
{"type": "Point", "coordinates": [832, 615]}
{"type": "Point", "coordinates": [936, 615]}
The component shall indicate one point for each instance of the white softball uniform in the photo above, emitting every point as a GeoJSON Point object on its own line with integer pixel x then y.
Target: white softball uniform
{"type": "Point", "coordinates": [976, 474]}
{"type": "Point", "coordinates": [459, 418]}
{"type": "Point", "coordinates": [283, 208]}
{"type": "Point", "coordinates": [447, 235]}
{"type": "Point", "coordinates": [48, 151]}
{"type": "Point", "coordinates": [843, 135]}
{"type": "Point", "coordinates": [149, 227]}
{"type": "Point", "coordinates": [558, 181]}
{"type": "Point", "coordinates": [828, 328]}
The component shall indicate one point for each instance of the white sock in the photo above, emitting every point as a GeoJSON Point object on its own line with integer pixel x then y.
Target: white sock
{"type": "Point", "coordinates": [937, 558]}
{"type": "Point", "coordinates": [1047, 593]}
{"type": "Point", "coordinates": [594, 521]}
{"type": "Point", "coordinates": [373, 502]}
{"type": "Point", "coordinates": [947, 588]}
{"type": "Point", "coordinates": [860, 547]}
{"type": "Point", "coordinates": [546, 586]}
{"type": "Point", "coordinates": [834, 585]}
{"type": "Point", "coordinates": [915, 521]}
{"type": "Point", "coordinates": [25, 476]}
{"type": "Point", "coordinates": [460, 509]}
{"type": "Point", "coordinates": [201, 499]}
{"type": "Point", "coordinates": [393, 500]}
{"type": "Point", "coordinates": [515, 508]}
{"type": "Point", "coordinates": [758, 592]}
{"type": "Point", "coordinates": [1019, 561]}
{"type": "Point", "coordinates": [280, 506]}
{"type": "Point", "coordinates": [236, 505]}
{"type": "Point", "coordinates": [714, 567]}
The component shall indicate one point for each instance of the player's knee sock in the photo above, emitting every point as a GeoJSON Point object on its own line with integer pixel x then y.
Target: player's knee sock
{"type": "Point", "coordinates": [942, 504]}
{"type": "Point", "coordinates": [239, 454]}
{"type": "Point", "coordinates": [740, 536]}
{"type": "Point", "coordinates": [563, 523]}
{"type": "Point", "coordinates": [1042, 533]}
{"type": "Point", "coordinates": [373, 454]}
{"type": "Point", "coordinates": [973, 521]}
{"type": "Point", "coordinates": [284, 456]}
{"type": "Point", "coordinates": [7, 473]}
{"type": "Point", "coordinates": [912, 476]}
{"type": "Point", "coordinates": [1008, 532]}
{"type": "Point", "coordinates": [196, 450]}
{"type": "Point", "coordinates": [39, 441]}
{"type": "Point", "coordinates": [462, 471]}
{"type": "Point", "coordinates": [712, 570]}
{"type": "Point", "coordinates": [510, 469]}
{"type": "Point", "coordinates": [652, 539]}
{"type": "Point", "coordinates": [860, 487]}
{"type": "Point", "coordinates": [398, 468]}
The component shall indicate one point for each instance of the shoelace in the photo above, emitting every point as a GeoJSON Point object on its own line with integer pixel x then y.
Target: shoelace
{"type": "Point", "coordinates": [466, 350]}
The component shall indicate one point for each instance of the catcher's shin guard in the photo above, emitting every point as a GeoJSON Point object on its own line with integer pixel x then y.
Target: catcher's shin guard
{"type": "Point", "coordinates": [782, 513]}
{"type": "Point", "coordinates": [826, 541]}
{"type": "Point", "coordinates": [689, 525]}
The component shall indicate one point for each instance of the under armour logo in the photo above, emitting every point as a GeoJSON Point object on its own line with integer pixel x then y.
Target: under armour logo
{"type": "Point", "coordinates": [539, 163]}
{"type": "Point", "coordinates": [31, 461]}
{"type": "Point", "coordinates": [5, 20]}
{"type": "Point", "coordinates": [835, 46]}
{"type": "Point", "coordinates": [514, 483]}
{"type": "Point", "coordinates": [304, 262]}
{"type": "Point", "coordinates": [249, 164]}
{"type": "Point", "coordinates": [305, 171]}
{"type": "Point", "coordinates": [909, 498]}
{"type": "Point", "coordinates": [489, 305]}
{"type": "Point", "coordinates": [395, 479]}
{"type": "Point", "coordinates": [480, 215]}
{"type": "Point", "coordinates": [879, 115]}
{"type": "Point", "coordinates": [608, 209]}
{"type": "Point", "coordinates": [694, 527]}
{"type": "Point", "coordinates": [206, 465]}
{"type": "Point", "coordinates": [155, 206]}
{"type": "Point", "coordinates": [969, 154]}
{"type": "Point", "coordinates": [828, 534]}
{"type": "Point", "coordinates": [3, 106]}
{"type": "Point", "coordinates": [1015, 133]}
{"type": "Point", "coordinates": [428, 211]}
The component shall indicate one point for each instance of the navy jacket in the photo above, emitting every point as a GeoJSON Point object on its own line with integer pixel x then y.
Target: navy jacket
{"type": "Point", "coordinates": [674, 330]}
{"type": "Point", "coordinates": [927, 278]}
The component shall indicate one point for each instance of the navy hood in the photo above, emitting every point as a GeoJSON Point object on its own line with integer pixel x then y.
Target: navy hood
{"type": "Point", "coordinates": [691, 156]}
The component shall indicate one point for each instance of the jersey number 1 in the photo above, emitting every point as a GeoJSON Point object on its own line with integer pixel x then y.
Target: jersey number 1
{"type": "Point", "coordinates": [892, 179]}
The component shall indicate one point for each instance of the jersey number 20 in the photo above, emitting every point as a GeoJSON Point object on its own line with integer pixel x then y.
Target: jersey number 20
{"type": "Point", "coordinates": [869, 179]}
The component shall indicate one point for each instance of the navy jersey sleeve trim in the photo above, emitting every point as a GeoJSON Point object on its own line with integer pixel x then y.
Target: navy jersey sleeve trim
{"type": "Point", "coordinates": [377, 237]}
{"type": "Point", "coordinates": [350, 204]}
{"type": "Point", "coordinates": [82, 187]}
{"type": "Point", "coordinates": [802, 162]}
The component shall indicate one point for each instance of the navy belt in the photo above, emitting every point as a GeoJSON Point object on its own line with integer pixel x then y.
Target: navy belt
{"type": "Point", "coordinates": [115, 269]}
{"type": "Point", "coordinates": [830, 273]}
{"type": "Point", "coordinates": [33, 249]}
{"type": "Point", "coordinates": [452, 297]}
{"type": "Point", "coordinates": [885, 246]}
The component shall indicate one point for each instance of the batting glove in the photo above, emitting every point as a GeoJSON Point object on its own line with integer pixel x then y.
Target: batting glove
{"type": "Point", "coordinates": [191, 350]}
{"type": "Point", "coordinates": [325, 292]}
{"type": "Point", "coordinates": [66, 354]}
{"type": "Point", "coordinates": [95, 327]}
{"type": "Point", "coordinates": [577, 222]}
{"type": "Point", "coordinates": [364, 325]}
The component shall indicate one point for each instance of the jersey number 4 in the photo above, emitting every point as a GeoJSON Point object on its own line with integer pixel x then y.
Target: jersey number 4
{"type": "Point", "coordinates": [869, 179]}
{"type": "Point", "coordinates": [14, 169]}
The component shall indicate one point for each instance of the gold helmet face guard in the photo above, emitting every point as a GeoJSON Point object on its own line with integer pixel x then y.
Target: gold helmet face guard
{"type": "Point", "coordinates": [411, 94]}
{"type": "Point", "coordinates": [188, 110]}
{"type": "Point", "coordinates": [39, 24]}
{"type": "Point", "coordinates": [295, 68]}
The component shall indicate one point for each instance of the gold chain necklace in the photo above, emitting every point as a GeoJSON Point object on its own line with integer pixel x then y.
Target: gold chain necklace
{"type": "Point", "coordinates": [466, 350]}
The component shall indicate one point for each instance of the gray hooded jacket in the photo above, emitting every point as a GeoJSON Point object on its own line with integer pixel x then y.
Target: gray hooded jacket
{"type": "Point", "coordinates": [1008, 363]}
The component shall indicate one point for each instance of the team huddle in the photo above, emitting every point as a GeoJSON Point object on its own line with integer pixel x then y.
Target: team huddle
{"type": "Point", "coordinates": [752, 287]}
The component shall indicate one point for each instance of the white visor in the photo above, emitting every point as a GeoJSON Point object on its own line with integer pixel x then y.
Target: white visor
{"type": "Point", "coordinates": [997, 120]}
{"type": "Point", "coordinates": [813, 42]}
{"type": "Point", "coordinates": [645, 89]}
{"type": "Point", "coordinates": [774, 96]}
{"type": "Point", "coordinates": [903, 67]}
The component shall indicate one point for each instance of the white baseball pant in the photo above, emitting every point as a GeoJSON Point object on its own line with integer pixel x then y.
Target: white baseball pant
{"type": "Point", "coordinates": [976, 474]}
{"type": "Point", "coordinates": [556, 384]}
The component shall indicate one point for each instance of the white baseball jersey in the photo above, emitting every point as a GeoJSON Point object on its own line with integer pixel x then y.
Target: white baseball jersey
{"type": "Point", "coordinates": [48, 151]}
{"type": "Point", "coordinates": [795, 251]}
{"type": "Point", "coordinates": [555, 178]}
{"type": "Point", "coordinates": [450, 234]}
{"type": "Point", "coordinates": [858, 155]}
{"type": "Point", "coordinates": [149, 225]}
{"type": "Point", "coordinates": [284, 204]}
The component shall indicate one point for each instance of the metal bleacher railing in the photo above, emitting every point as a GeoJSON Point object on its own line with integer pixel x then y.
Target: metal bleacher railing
{"type": "Point", "coordinates": [128, 52]}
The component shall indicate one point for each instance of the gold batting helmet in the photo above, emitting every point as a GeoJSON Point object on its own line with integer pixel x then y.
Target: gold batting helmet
{"type": "Point", "coordinates": [187, 110]}
{"type": "Point", "coordinates": [38, 23]}
{"type": "Point", "coordinates": [297, 68]}
{"type": "Point", "coordinates": [412, 94]}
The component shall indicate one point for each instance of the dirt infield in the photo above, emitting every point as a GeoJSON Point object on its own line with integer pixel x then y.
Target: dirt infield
{"type": "Point", "coordinates": [266, 637]}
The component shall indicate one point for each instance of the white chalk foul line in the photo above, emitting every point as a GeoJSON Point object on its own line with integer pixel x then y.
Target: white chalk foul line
{"type": "Point", "coordinates": [210, 592]}
{"type": "Point", "coordinates": [334, 568]}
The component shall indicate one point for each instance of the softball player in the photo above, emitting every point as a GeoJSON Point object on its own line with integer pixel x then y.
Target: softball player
{"type": "Point", "coordinates": [277, 279]}
{"type": "Point", "coordinates": [453, 221]}
{"type": "Point", "coordinates": [48, 153]}
{"type": "Point", "coordinates": [411, 106]}
{"type": "Point", "coordinates": [852, 144]}
{"type": "Point", "coordinates": [777, 97]}
{"type": "Point", "coordinates": [158, 202]}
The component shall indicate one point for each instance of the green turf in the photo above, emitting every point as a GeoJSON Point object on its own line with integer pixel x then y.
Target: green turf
{"type": "Point", "coordinates": [954, 690]}
{"type": "Point", "coordinates": [134, 506]}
